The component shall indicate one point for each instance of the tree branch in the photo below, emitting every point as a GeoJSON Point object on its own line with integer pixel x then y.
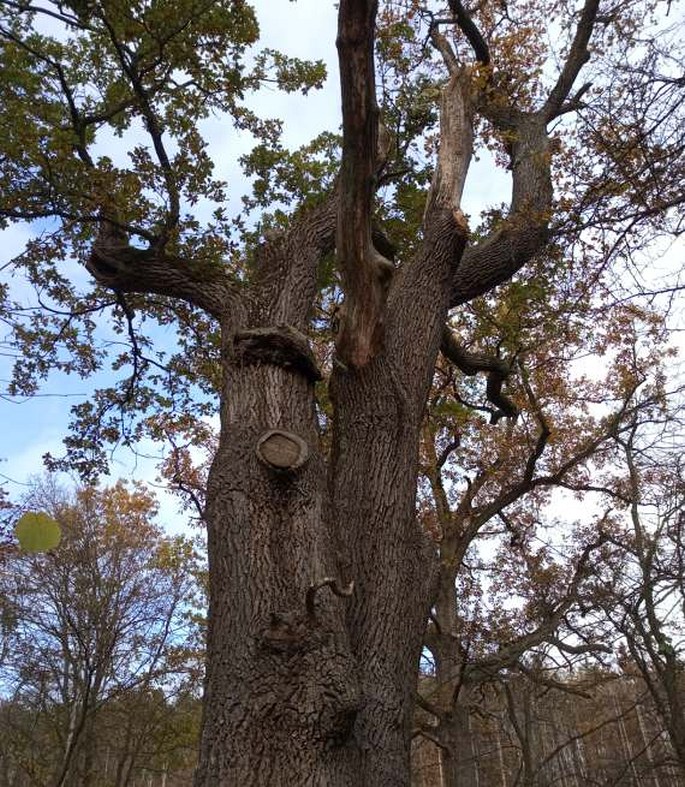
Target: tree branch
{"type": "Point", "coordinates": [285, 279]}
{"type": "Point", "coordinates": [526, 229]}
{"type": "Point", "coordinates": [473, 363]}
{"type": "Point", "coordinates": [365, 272]}
{"type": "Point", "coordinates": [455, 151]}
{"type": "Point", "coordinates": [114, 263]}
{"type": "Point", "coordinates": [577, 57]}
{"type": "Point", "coordinates": [472, 33]}
{"type": "Point", "coordinates": [153, 124]}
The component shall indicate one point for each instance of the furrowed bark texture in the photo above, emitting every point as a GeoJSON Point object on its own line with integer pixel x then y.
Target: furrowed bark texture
{"type": "Point", "coordinates": [323, 698]}
{"type": "Point", "coordinates": [377, 418]}
{"type": "Point", "coordinates": [281, 687]}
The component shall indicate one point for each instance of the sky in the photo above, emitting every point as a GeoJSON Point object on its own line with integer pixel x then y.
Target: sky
{"type": "Point", "coordinates": [305, 29]}
{"type": "Point", "coordinates": [32, 427]}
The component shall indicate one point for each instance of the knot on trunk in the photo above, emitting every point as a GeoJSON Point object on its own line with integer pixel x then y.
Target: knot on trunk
{"type": "Point", "coordinates": [342, 591]}
{"type": "Point", "coordinates": [281, 345]}
{"type": "Point", "coordinates": [282, 450]}
{"type": "Point", "coordinates": [287, 633]}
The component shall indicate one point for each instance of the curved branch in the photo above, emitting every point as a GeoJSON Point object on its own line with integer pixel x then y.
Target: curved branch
{"type": "Point", "coordinates": [526, 230]}
{"type": "Point", "coordinates": [577, 57]}
{"type": "Point", "coordinates": [546, 632]}
{"type": "Point", "coordinates": [472, 363]}
{"type": "Point", "coordinates": [114, 263]}
{"type": "Point", "coordinates": [472, 33]}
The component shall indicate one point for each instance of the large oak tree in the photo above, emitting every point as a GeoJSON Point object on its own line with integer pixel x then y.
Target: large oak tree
{"type": "Point", "coordinates": [322, 578]}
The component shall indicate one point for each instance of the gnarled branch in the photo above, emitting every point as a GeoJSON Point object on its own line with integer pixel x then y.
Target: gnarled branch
{"type": "Point", "coordinates": [114, 263]}
{"type": "Point", "coordinates": [526, 230]}
{"type": "Point", "coordinates": [472, 363]}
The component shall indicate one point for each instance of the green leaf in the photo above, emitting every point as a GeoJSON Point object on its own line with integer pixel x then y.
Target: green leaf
{"type": "Point", "coordinates": [37, 532]}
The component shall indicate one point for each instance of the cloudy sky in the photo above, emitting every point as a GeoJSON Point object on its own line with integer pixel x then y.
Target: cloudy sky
{"type": "Point", "coordinates": [305, 29]}
{"type": "Point", "coordinates": [30, 428]}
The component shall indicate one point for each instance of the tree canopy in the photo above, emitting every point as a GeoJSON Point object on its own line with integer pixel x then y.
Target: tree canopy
{"type": "Point", "coordinates": [101, 640]}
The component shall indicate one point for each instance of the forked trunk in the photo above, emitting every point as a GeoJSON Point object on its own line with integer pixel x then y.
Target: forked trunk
{"type": "Point", "coordinates": [306, 685]}
{"type": "Point", "coordinates": [320, 577]}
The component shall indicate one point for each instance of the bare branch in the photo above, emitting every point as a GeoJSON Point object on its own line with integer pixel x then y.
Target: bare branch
{"type": "Point", "coordinates": [577, 57]}
{"type": "Point", "coordinates": [575, 102]}
{"type": "Point", "coordinates": [429, 707]}
{"type": "Point", "coordinates": [455, 152]}
{"type": "Point", "coordinates": [445, 48]}
{"type": "Point", "coordinates": [472, 33]}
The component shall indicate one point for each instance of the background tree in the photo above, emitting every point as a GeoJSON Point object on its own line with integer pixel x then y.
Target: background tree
{"type": "Point", "coordinates": [640, 586]}
{"type": "Point", "coordinates": [548, 727]}
{"type": "Point", "coordinates": [321, 576]}
{"type": "Point", "coordinates": [516, 559]}
{"type": "Point", "coordinates": [101, 632]}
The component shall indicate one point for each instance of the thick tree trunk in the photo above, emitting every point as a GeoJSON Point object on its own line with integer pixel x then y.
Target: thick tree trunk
{"type": "Point", "coordinates": [451, 694]}
{"type": "Point", "coordinates": [305, 686]}
{"type": "Point", "coordinates": [320, 693]}
{"type": "Point", "coordinates": [373, 484]}
{"type": "Point", "coordinates": [672, 703]}
{"type": "Point", "coordinates": [460, 763]}
{"type": "Point", "coordinates": [281, 690]}
{"type": "Point", "coordinates": [281, 686]}
{"type": "Point", "coordinates": [307, 683]}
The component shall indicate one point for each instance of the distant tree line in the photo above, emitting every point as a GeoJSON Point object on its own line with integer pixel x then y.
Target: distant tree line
{"type": "Point", "coordinates": [594, 728]}
{"type": "Point", "coordinates": [101, 647]}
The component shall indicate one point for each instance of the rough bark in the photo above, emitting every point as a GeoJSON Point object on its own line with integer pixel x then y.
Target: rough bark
{"type": "Point", "coordinates": [116, 264]}
{"type": "Point", "coordinates": [378, 413]}
{"type": "Point", "coordinates": [281, 687]}
{"type": "Point", "coordinates": [374, 466]}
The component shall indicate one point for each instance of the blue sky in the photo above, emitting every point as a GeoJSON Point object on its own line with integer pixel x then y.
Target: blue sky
{"type": "Point", "coordinates": [32, 427]}
{"type": "Point", "coordinates": [305, 29]}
